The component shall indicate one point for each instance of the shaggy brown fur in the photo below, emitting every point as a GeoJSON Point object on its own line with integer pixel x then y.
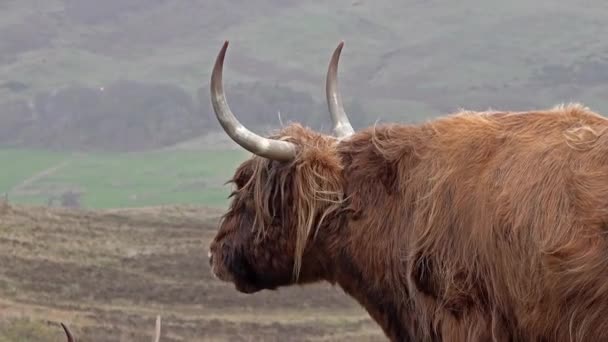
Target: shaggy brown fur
{"type": "Point", "coordinates": [471, 227]}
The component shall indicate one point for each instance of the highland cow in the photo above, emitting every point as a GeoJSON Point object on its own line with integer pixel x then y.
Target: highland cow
{"type": "Point", "coordinates": [475, 226]}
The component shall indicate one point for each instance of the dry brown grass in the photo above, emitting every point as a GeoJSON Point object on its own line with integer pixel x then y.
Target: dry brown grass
{"type": "Point", "coordinates": [108, 274]}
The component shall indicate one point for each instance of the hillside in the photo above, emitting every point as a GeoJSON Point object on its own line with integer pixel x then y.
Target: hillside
{"type": "Point", "coordinates": [107, 274]}
{"type": "Point", "coordinates": [403, 60]}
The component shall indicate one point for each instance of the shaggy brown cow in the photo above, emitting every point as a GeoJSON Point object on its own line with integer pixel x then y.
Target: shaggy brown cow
{"type": "Point", "coordinates": [476, 226]}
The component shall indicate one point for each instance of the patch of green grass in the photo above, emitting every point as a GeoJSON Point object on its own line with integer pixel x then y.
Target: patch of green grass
{"type": "Point", "coordinates": [17, 165]}
{"type": "Point", "coordinates": [125, 180]}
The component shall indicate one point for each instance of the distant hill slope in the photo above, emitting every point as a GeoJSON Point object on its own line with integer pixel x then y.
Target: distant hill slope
{"type": "Point", "coordinates": [403, 60]}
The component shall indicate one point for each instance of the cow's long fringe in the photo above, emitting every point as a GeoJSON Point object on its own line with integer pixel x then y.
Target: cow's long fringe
{"type": "Point", "coordinates": [307, 189]}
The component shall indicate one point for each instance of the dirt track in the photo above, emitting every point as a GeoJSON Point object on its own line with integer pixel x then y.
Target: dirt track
{"type": "Point", "coordinates": [108, 274]}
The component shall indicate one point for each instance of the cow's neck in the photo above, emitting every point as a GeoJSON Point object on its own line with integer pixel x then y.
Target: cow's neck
{"type": "Point", "coordinates": [366, 244]}
{"type": "Point", "coordinates": [367, 279]}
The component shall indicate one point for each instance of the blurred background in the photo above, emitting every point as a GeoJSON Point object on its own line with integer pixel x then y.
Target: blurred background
{"type": "Point", "coordinates": [112, 165]}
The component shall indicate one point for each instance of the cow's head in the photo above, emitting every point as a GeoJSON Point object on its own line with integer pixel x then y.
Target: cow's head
{"type": "Point", "coordinates": [284, 197]}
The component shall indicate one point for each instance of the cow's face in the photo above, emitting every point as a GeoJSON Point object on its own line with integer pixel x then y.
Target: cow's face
{"type": "Point", "coordinates": [252, 251]}
{"type": "Point", "coordinates": [283, 197]}
{"type": "Point", "coordinates": [270, 235]}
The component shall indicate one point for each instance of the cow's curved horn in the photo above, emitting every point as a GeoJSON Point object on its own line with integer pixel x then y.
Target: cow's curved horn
{"type": "Point", "coordinates": [68, 333]}
{"type": "Point", "coordinates": [342, 126]}
{"type": "Point", "coordinates": [263, 147]}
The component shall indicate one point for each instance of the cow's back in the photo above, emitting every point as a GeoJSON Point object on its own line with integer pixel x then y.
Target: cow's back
{"type": "Point", "coordinates": [511, 213]}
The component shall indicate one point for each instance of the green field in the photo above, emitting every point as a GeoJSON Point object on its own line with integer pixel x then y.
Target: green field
{"type": "Point", "coordinates": [119, 180]}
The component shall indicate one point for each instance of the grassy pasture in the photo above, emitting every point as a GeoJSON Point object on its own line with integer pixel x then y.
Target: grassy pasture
{"type": "Point", "coordinates": [120, 180]}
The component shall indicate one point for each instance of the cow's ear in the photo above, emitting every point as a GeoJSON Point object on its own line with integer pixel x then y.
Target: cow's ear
{"type": "Point", "coordinates": [363, 190]}
{"type": "Point", "coordinates": [368, 177]}
{"type": "Point", "coordinates": [389, 176]}
{"type": "Point", "coordinates": [372, 162]}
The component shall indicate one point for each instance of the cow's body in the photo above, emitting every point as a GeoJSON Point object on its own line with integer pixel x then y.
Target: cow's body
{"type": "Point", "coordinates": [470, 227]}
{"type": "Point", "coordinates": [481, 225]}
